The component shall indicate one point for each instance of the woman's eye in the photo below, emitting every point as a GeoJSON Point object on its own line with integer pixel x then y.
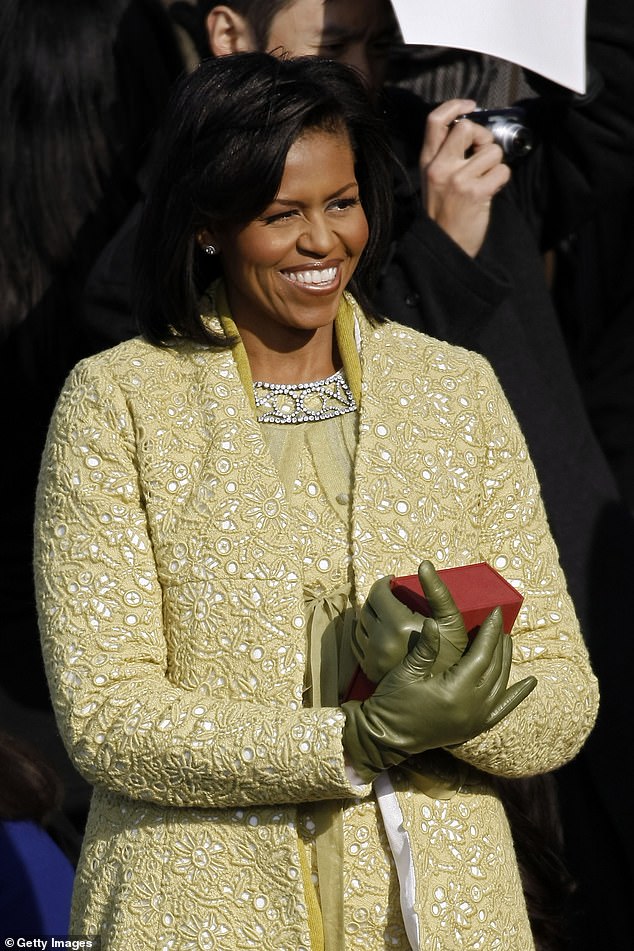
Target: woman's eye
{"type": "Point", "coordinates": [342, 203]}
{"type": "Point", "coordinates": [279, 216]}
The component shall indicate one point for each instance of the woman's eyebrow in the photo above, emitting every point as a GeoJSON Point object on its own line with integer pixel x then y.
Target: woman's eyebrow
{"type": "Point", "coordinates": [294, 201]}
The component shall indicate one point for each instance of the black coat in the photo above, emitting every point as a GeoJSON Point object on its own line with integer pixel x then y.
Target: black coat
{"type": "Point", "coordinates": [500, 305]}
{"type": "Point", "coordinates": [594, 291]}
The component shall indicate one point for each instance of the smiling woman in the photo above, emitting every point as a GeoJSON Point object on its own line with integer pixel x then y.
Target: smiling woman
{"type": "Point", "coordinates": [285, 272]}
{"type": "Point", "coordinates": [277, 183]}
{"type": "Point", "coordinates": [221, 504]}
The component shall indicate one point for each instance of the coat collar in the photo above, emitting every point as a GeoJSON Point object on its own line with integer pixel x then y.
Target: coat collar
{"type": "Point", "coordinates": [393, 525]}
{"type": "Point", "coordinates": [217, 316]}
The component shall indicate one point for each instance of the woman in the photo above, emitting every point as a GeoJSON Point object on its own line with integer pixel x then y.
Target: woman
{"type": "Point", "coordinates": [218, 501]}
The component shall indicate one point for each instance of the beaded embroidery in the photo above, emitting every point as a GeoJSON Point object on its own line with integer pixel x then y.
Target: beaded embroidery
{"type": "Point", "coordinates": [303, 402]}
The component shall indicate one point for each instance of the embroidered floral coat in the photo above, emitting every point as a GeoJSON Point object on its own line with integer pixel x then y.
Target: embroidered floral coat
{"type": "Point", "coordinates": [171, 609]}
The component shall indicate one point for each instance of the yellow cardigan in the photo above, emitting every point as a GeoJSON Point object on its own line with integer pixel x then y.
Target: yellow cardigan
{"type": "Point", "coordinates": [169, 582]}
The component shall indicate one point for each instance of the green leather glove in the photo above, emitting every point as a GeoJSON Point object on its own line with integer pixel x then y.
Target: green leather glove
{"type": "Point", "coordinates": [412, 711]}
{"type": "Point", "coordinates": [387, 629]}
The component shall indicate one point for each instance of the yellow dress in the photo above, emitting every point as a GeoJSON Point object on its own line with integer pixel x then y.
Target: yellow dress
{"type": "Point", "coordinates": [315, 463]}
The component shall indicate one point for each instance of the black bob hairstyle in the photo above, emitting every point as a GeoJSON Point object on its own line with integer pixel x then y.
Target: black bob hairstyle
{"type": "Point", "coordinates": [221, 157]}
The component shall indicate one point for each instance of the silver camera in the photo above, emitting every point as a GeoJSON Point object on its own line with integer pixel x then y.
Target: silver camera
{"type": "Point", "coordinates": [508, 127]}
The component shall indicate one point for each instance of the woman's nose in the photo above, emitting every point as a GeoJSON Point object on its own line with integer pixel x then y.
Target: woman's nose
{"type": "Point", "coordinates": [317, 237]}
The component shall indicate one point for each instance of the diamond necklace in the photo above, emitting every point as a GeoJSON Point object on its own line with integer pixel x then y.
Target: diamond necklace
{"type": "Point", "coordinates": [303, 402]}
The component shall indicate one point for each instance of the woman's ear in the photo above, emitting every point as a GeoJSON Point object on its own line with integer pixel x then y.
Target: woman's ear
{"type": "Point", "coordinates": [228, 32]}
{"type": "Point", "coordinates": [207, 242]}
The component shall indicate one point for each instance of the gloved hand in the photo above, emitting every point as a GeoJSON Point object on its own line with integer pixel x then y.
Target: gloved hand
{"type": "Point", "coordinates": [387, 629]}
{"type": "Point", "coordinates": [411, 711]}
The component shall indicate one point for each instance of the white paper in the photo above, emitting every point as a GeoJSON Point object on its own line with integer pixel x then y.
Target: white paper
{"type": "Point", "coordinates": [546, 36]}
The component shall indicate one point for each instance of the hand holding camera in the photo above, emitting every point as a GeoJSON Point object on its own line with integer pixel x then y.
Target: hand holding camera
{"type": "Point", "coordinates": [461, 168]}
{"type": "Point", "coordinates": [508, 127]}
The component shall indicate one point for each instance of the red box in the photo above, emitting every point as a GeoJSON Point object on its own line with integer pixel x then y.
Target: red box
{"type": "Point", "coordinates": [476, 590]}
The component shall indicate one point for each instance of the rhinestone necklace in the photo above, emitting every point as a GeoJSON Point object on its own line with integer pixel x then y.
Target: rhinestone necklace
{"type": "Point", "coordinates": [303, 402]}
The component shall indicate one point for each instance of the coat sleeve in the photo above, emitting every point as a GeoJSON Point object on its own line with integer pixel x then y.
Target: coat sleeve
{"type": "Point", "coordinates": [126, 726]}
{"type": "Point", "coordinates": [550, 726]}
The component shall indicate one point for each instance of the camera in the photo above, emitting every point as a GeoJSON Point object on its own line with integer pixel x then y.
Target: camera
{"type": "Point", "coordinates": [508, 127]}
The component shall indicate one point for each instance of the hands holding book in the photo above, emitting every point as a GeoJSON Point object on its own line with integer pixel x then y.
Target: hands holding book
{"type": "Point", "coordinates": [387, 629]}
{"type": "Point", "coordinates": [431, 691]}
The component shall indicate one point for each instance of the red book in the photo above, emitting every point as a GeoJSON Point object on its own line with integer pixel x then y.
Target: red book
{"type": "Point", "coordinates": [476, 590]}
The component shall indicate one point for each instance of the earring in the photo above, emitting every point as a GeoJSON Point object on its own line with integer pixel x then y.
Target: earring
{"type": "Point", "coordinates": [209, 249]}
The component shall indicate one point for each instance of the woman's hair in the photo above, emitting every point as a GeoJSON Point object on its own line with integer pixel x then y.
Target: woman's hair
{"type": "Point", "coordinates": [227, 133]}
{"type": "Point", "coordinates": [29, 787]}
{"type": "Point", "coordinates": [82, 85]}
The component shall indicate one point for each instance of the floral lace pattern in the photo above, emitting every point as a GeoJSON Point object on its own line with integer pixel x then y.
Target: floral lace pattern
{"type": "Point", "coordinates": [169, 571]}
{"type": "Point", "coordinates": [316, 463]}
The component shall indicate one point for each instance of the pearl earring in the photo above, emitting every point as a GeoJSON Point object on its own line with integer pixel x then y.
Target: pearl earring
{"type": "Point", "coordinates": [210, 249]}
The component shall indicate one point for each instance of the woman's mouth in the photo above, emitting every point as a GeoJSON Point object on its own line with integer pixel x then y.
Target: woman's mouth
{"type": "Point", "coordinates": [310, 279]}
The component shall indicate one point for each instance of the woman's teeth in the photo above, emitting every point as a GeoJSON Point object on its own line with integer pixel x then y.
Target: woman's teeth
{"type": "Point", "coordinates": [325, 276]}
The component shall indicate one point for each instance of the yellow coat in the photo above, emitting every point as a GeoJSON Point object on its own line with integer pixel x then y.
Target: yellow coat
{"type": "Point", "coordinates": [171, 609]}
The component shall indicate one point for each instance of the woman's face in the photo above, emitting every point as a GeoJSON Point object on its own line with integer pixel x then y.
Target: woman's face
{"type": "Point", "coordinates": [285, 271]}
